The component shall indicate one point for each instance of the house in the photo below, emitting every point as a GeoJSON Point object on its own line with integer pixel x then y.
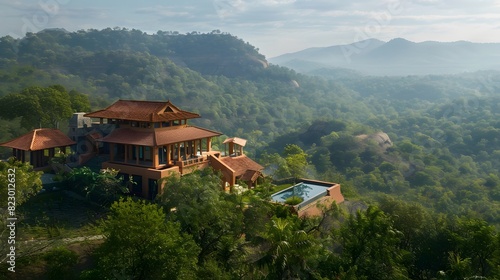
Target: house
{"type": "Point", "coordinates": [152, 140]}
{"type": "Point", "coordinates": [39, 145]}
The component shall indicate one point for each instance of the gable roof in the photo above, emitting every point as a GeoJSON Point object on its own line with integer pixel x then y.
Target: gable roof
{"type": "Point", "coordinates": [143, 111]}
{"type": "Point", "coordinates": [236, 140]}
{"type": "Point", "coordinates": [242, 165]}
{"type": "Point", "coordinates": [158, 137]}
{"type": "Point", "coordinates": [40, 139]}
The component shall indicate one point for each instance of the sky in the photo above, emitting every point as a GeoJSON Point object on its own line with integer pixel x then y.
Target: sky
{"type": "Point", "coordinates": [273, 26]}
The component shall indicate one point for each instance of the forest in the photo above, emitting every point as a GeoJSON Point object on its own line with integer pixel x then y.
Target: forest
{"type": "Point", "coordinates": [421, 154]}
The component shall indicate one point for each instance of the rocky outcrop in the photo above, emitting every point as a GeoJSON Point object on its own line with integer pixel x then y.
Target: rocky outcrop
{"type": "Point", "coordinates": [381, 138]}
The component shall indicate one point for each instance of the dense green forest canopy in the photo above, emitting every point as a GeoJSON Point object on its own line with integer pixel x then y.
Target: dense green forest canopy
{"type": "Point", "coordinates": [425, 149]}
{"type": "Point", "coordinates": [444, 130]}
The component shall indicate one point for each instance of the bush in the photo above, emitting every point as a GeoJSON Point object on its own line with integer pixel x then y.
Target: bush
{"type": "Point", "coordinates": [59, 262]}
{"type": "Point", "coordinates": [294, 200]}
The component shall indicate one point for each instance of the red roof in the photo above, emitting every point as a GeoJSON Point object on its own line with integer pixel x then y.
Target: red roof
{"type": "Point", "coordinates": [242, 165]}
{"type": "Point", "coordinates": [143, 111]}
{"type": "Point", "coordinates": [158, 137]}
{"type": "Point", "coordinates": [40, 139]}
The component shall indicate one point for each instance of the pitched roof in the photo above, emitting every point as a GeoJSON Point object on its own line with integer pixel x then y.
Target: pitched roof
{"type": "Point", "coordinates": [240, 141]}
{"type": "Point", "coordinates": [242, 165]}
{"type": "Point", "coordinates": [144, 111]}
{"type": "Point", "coordinates": [157, 137]}
{"type": "Point", "coordinates": [40, 139]}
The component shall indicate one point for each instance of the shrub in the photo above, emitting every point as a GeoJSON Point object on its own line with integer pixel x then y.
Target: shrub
{"type": "Point", "coordinates": [294, 200]}
{"type": "Point", "coordinates": [59, 262]}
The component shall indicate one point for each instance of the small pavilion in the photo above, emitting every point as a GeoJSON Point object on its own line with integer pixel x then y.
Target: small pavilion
{"type": "Point", "coordinates": [39, 145]}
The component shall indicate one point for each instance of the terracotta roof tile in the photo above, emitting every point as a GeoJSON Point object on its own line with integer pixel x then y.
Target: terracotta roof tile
{"type": "Point", "coordinates": [242, 164]}
{"type": "Point", "coordinates": [145, 111]}
{"type": "Point", "coordinates": [158, 137]}
{"type": "Point", "coordinates": [250, 175]}
{"type": "Point", "coordinates": [40, 139]}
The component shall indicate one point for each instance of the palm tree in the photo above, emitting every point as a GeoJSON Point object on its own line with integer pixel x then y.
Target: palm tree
{"type": "Point", "coordinates": [286, 250]}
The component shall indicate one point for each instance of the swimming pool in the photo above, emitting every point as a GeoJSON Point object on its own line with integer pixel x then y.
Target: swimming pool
{"type": "Point", "coordinates": [308, 191]}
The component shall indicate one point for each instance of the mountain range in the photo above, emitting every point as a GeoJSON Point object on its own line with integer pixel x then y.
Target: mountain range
{"type": "Point", "coordinates": [397, 57]}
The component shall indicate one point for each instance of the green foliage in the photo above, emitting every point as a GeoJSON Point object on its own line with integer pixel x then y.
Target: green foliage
{"type": "Point", "coordinates": [294, 200]}
{"type": "Point", "coordinates": [27, 182]}
{"type": "Point", "coordinates": [369, 243]}
{"type": "Point", "coordinates": [141, 244]}
{"type": "Point", "coordinates": [79, 101]}
{"type": "Point", "coordinates": [203, 211]}
{"type": "Point", "coordinates": [103, 187]}
{"type": "Point", "coordinates": [59, 262]}
{"type": "Point", "coordinates": [288, 251]}
{"type": "Point", "coordinates": [445, 156]}
{"type": "Point", "coordinates": [38, 107]}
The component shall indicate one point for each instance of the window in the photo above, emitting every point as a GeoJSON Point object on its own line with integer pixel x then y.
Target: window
{"type": "Point", "coordinates": [162, 155]}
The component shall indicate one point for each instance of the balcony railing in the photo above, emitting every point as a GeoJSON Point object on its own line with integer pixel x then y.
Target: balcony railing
{"type": "Point", "coordinates": [191, 161]}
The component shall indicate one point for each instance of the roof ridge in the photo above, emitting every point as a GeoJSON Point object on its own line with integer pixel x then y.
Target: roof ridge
{"type": "Point", "coordinates": [33, 139]}
{"type": "Point", "coordinates": [206, 129]}
{"type": "Point", "coordinates": [155, 101]}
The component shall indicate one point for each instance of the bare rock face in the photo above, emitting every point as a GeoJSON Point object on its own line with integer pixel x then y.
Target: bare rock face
{"type": "Point", "coordinates": [294, 84]}
{"type": "Point", "coordinates": [381, 138]}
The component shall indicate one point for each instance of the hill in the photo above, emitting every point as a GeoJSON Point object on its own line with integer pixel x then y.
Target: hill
{"type": "Point", "coordinates": [444, 128]}
{"type": "Point", "coordinates": [398, 57]}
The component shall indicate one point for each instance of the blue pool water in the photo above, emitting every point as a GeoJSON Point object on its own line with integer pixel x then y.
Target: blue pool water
{"type": "Point", "coordinates": [308, 191]}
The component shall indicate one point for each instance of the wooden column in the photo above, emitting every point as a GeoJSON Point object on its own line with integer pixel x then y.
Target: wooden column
{"type": "Point", "coordinates": [169, 150]}
{"type": "Point", "coordinates": [178, 151]}
{"type": "Point", "coordinates": [156, 160]}
{"type": "Point", "coordinates": [209, 144]}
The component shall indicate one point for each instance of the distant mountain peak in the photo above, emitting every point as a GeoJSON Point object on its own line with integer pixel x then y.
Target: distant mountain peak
{"type": "Point", "coordinates": [397, 57]}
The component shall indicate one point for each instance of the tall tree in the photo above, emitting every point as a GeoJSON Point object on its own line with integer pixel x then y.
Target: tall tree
{"type": "Point", "coordinates": [141, 244]}
{"type": "Point", "coordinates": [287, 251]}
{"type": "Point", "coordinates": [369, 242]}
{"type": "Point", "coordinates": [38, 107]}
{"type": "Point", "coordinates": [213, 217]}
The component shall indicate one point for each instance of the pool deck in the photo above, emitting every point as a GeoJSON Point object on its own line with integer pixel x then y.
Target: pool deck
{"type": "Point", "coordinates": [333, 194]}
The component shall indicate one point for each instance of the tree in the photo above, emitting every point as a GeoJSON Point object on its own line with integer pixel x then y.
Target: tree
{"type": "Point", "coordinates": [20, 181]}
{"type": "Point", "coordinates": [79, 101]}
{"type": "Point", "coordinates": [104, 185]}
{"type": "Point", "coordinates": [369, 242]}
{"type": "Point", "coordinates": [214, 218]}
{"type": "Point", "coordinates": [287, 250]}
{"type": "Point", "coordinates": [296, 160]}
{"type": "Point", "coordinates": [292, 164]}
{"type": "Point", "coordinates": [475, 240]}
{"type": "Point", "coordinates": [141, 244]}
{"type": "Point", "coordinates": [26, 181]}
{"type": "Point", "coordinates": [39, 107]}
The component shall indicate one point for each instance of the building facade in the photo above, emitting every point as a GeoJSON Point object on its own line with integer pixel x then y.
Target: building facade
{"type": "Point", "coordinates": [152, 140]}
